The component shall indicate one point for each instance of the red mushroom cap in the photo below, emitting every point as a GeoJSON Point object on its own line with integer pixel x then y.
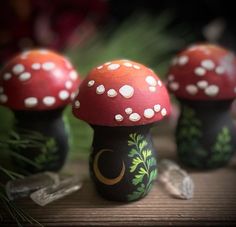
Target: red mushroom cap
{"type": "Point", "coordinates": [121, 93]}
{"type": "Point", "coordinates": [203, 72]}
{"type": "Point", "coordinates": [38, 80]}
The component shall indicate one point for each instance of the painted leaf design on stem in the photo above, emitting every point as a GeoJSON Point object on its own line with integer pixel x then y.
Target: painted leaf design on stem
{"type": "Point", "coordinates": [143, 166]}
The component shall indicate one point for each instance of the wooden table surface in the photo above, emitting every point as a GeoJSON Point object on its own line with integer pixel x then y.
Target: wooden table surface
{"type": "Point", "coordinates": [214, 202]}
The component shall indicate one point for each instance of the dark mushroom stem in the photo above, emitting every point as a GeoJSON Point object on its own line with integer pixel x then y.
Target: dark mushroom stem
{"type": "Point", "coordinates": [205, 134]}
{"type": "Point", "coordinates": [123, 162]}
{"type": "Point", "coordinates": [50, 127]}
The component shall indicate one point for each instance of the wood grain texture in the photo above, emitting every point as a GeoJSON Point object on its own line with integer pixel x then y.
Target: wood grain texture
{"type": "Point", "coordinates": [214, 202]}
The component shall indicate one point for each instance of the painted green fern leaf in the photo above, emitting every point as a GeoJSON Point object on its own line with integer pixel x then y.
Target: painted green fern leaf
{"type": "Point", "coordinates": [143, 166]}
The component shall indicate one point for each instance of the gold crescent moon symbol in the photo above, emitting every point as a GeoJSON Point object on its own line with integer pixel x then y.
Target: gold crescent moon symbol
{"type": "Point", "coordinates": [98, 174]}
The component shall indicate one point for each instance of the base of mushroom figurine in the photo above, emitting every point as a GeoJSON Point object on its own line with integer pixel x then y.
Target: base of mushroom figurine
{"type": "Point", "coordinates": [123, 162]}
{"type": "Point", "coordinates": [47, 141]}
{"type": "Point", "coordinates": [205, 134]}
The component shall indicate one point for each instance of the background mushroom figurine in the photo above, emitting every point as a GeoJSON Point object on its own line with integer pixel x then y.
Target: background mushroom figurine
{"type": "Point", "coordinates": [122, 100]}
{"type": "Point", "coordinates": [37, 85]}
{"type": "Point", "coordinates": [203, 78]}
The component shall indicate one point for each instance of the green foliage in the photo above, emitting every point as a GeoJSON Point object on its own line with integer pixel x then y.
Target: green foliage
{"type": "Point", "coordinates": [143, 166]}
{"type": "Point", "coordinates": [222, 149]}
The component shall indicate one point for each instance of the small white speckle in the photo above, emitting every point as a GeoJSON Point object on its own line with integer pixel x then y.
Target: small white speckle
{"type": "Point", "coordinates": [72, 96]}
{"type": "Point", "coordinates": [77, 104]}
{"type": "Point", "coordinates": [171, 77]}
{"type": "Point", "coordinates": [113, 66]}
{"type": "Point", "coordinates": [202, 84]}
{"type": "Point", "coordinates": [48, 66]}
{"type": "Point", "coordinates": [174, 61]}
{"type": "Point", "coordinates": [73, 75]}
{"type": "Point", "coordinates": [134, 117]}
{"type": "Point", "coordinates": [7, 76]}
{"type": "Point", "coordinates": [57, 73]}
{"type": "Point", "coordinates": [174, 86]}
{"type": "Point", "coordinates": [220, 70]}
{"type": "Point", "coordinates": [107, 63]}
{"type": "Point", "coordinates": [159, 83]}
{"type": "Point", "coordinates": [36, 66]}
{"type": "Point", "coordinates": [111, 93]}
{"type": "Point", "coordinates": [3, 98]}
{"type": "Point", "coordinates": [63, 95]}
{"type": "Point", "coordinates": [192, 89]}
{"type": "Point", "coordinates": [91, 83]}
{"type": "Point", "coordinates": [100, 89]}
{"type": "Point", "coordinates": [148, 113]}
{"type": "Point", "coordinates": [119, 117]}
{"type": "Point", "coordinates": [68, 84]}
{"type": "Point", "coordinates": [127, 64]}
{"type": "Point", "coordinates": [31, 102]}
{"type": "Point", "coordinates": [151, 81]}
{"type": "Point", "coordinates": [183, 60]}
{"type": "Point", "coordinates": [49, 100]}
{"type": "Point", "coordinates": [212, 90]}
{"type": "Point", "coordinates": [128, 110]}
{"type": "Point", "coordinates": [152, 89]}
{"type": "Point", "coordinates": [136, 66]}
{"type": "Point", "coordinates": [24, 76]}
{"type": "Point", "coordinates": [1, 89]}
{"type": "Point", "coordinates": [163, 112]}
{"type": "Point", "coordinates": [157, 108]}
{"type": "Point", "coordinates": [43, 51]}
{"type": "Point", "coordinates": [17, 69]}
{"type": "Point", "coordinates": [208, 64]}
{"type": "Point", "coordinates": [126, 91]}
{"type": "Point", "coordinates": [24, 55]}
{"type": "Point", "coordinates": [199, 71]}
{"type": "Point", "coordinates": [100, 67]}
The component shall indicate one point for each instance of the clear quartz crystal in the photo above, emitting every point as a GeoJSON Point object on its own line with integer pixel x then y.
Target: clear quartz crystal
{"type": "Point", "coordinates": [24, 187]}
{"type": "Point", "coordinates": [49, 194]}
{"type": "Point", "coordinates": [176, 180]}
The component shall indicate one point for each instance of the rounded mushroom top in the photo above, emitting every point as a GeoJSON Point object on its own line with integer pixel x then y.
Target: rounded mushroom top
{"type": "Point", "coordinates": [121, 93]}
{"type": "Point", "coordinates": [38, 80]}
{"type": "Point", "coordinates": [203, 72]}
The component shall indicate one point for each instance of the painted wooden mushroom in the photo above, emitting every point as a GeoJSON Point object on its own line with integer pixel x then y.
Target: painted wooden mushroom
{"type": "Point", "coordinates": [37, 85]}
{"type": "Point", "coordinates": [203, 78]}
{"type": "Point", "coordinates": [121, 100]}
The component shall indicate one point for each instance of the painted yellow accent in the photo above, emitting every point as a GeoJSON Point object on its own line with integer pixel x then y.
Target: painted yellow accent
{"type": "Point", "coordinates": [100, 177]}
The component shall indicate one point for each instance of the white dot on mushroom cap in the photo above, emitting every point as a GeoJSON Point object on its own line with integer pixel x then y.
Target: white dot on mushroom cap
{"type": "Point", "coordinates": [152, 89]}
{"type": "Point", "coordinates": [57, 73]}
{"type": "Point", "coordinates": [113, 66]}
{"type": "Point", "coordinates": [111, 93]}
{"type": "Point", "coordinates": [212, 90]}
{"type": "Point", "coordinates": [68, 84]}
{"type": "Point", "coordinates": [151, 80]}
{"type": "Point", "coordinates": [73, 95]}
{"type": "Point", "coordinates": [48, 66]}
{"type": "Point", "coordinates": [159, 83]}
{"type": "Point", "coordinates": [148, 113]}
{"type": "Point", "coordinates": [43, 51]}
{"type": "Point", "coordinates": [7, 76]}
{"type": "Point", "coordinates": [1, 89]}
{"type": "Point", "coordinates": [134, 117]}
{"type": "Point", "coordinates": [183, 60]}
{"type": "Point", "coordinates": [163, 112]}
{"type": "Point", "coordinates": [208, 64]}
{"type": "Point", "coordinates": [171, 77]}
{"type": "Point", "coordinates": [73, 75]}
{"type": "Point", "coordinates": [191, 89]}
{"type": "Point", "coordinates": [100, 67]}
{"type": "Point", "coordinates": [107, 63]}
{"type": "Point", "coordinates": [174, 86]}
{"type": "Point", "coordinates": [30, 102]}
{"type": "Point", "coordinates": [157, 107]}
{"type": "Point", "coordinates": [24, 76]}
{"type": "Point", "coordinates": [49, 100]}
{"type": "Point", "coordinates": [17, 69]}
{"type": "Point", "coordinates": [199, 71]}
{"type": "Point", "coordinates": [3, 98]}
{"type": "Point", "coordinates": [220, 70]}
{"type": "Point", "coordinates": [36, 66]}
{"type": "Point", "coordinates": [202, 84]}
{"type": "Point", "coordinates": [100, 89]}
{"type": "Point", "coordinates": [127, 64]}
{"type": "Point", "coordinates": [63, 95]}
{"type": "Point", "coordinates": [119, 117]}
{"type": "Point", "coordinates": [126, 91]}
{"type": "Point", "coordinates": [91, 83]}
{"type": "Point", "coordinates": [136, 66]}
{"type": "Point", "coordinates": [128, 110]}
{"type": "Point", "coordinates": [77, 104]}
